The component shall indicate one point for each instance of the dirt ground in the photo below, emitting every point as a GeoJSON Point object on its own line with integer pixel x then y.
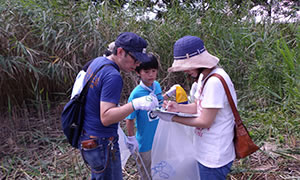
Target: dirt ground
{"type": "Point", "coordinates": [31, 148]}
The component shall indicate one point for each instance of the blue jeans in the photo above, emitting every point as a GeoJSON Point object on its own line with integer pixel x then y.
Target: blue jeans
{"type": "Point", "coordinates": [105, 163]}
{"type": "Point", "coordinates": [220, 173]}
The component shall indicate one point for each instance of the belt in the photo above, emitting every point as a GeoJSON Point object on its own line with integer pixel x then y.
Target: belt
{"type": "Point", "coordinates": [96, 137]}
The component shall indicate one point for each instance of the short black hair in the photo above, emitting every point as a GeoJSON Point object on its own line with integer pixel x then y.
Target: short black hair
{"type": "Point", "coordinates": [115, 50]}
{"type": "Point", "coordinates": [152, 64]}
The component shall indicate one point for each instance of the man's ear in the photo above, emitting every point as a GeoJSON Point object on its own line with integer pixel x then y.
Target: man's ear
{"type": "Point", "coordinates": [120, 51]}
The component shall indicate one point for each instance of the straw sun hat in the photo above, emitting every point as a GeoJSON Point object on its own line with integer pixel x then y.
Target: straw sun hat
{"type": "Point", "coordinates": [190, 53]}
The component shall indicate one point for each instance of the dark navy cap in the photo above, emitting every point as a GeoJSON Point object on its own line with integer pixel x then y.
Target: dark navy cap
{"type": "Point", "coordinates": [134, 44]}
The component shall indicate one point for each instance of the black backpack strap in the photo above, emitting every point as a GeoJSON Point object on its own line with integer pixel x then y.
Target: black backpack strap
{"type": "Point", "coordinates": [87, 84]}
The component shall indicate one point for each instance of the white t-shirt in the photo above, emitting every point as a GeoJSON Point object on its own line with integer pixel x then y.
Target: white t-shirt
{"type": "Point", "coordinates": [193, 92]}
{"type": "Point", "coordinates": [214, 145]}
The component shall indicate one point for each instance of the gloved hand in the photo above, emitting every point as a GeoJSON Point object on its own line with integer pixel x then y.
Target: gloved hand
{"type": "Point", "coordinates": [132, 144]}
{"type": "Point", "coordinates": [172, 90]}
{"type": "Point", "coordinates": [145, 103]}
{"type": "Point", "coordinates": [164, 116]}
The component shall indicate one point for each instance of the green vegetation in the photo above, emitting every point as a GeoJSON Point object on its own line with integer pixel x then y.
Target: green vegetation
{"type": "Point", "coordinates": [44, 43]}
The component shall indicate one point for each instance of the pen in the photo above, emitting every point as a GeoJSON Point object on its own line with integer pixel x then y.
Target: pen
{"type": "Point", "coordinates": [168, 105]}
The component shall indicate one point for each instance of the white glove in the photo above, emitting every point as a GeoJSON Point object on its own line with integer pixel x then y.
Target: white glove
{"type": "Point", "coordinates": [146, 103]}
{"type": "Point", "coordinates": [163, 116]}
{"type": "Point", "coordinates": [132, 144]}
{"type": "Point", "coordinates": [172, 90]}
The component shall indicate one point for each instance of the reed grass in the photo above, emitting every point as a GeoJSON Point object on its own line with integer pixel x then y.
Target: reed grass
{"type": "Point", "coordinates": [50, 42]}
{"type": "Point", "coordinates": [43, 45]}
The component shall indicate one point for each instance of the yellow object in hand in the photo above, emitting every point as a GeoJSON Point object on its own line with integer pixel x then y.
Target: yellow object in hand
{"type": "Point", "coordinates": [181, 96]}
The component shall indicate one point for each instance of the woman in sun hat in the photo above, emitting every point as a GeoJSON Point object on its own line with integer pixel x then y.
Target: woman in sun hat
{"type": "Point", "coordinates": [214, 126]}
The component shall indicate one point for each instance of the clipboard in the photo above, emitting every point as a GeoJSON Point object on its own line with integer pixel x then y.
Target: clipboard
{"type": "Point", "coordinates": [176, 113]}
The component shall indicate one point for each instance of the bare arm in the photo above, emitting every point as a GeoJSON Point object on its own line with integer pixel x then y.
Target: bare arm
{"type": "Point", "coordinates": [130, 127]}
{"type": "Point", "coordinates": [110, 113]}
{"type": "Point", "coordinates": [205, 120]}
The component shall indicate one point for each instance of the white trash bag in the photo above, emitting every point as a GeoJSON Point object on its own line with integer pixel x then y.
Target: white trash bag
{"type": "Point", "coordinates": [124, 151]}
{"type": "Point", "coordinates": [173, 155]}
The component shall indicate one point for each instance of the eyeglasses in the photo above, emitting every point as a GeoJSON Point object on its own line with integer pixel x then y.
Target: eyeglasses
{"type": "Point", "coordinates": [135, 60]}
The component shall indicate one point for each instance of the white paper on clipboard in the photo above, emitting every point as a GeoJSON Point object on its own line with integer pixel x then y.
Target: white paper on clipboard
{"type": "Point", "coordinates": [176, 113]}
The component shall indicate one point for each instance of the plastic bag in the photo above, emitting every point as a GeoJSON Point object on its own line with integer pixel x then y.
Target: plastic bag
{"type": "Point", "coordinates": [173, 155]}
{"type": "Point", "coordinates": [124, 151]}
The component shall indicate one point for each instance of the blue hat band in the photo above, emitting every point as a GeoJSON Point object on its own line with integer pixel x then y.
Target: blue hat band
{"type": "Point", "coordinates": [198, 52]}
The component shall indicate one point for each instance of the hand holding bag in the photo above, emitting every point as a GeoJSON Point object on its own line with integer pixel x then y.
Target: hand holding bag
{"type": "Point", "coordinates": [244, 146]}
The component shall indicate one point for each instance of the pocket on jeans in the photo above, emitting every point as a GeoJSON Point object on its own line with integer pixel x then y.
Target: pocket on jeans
{"type": "Point", "coordinates": [95, 157]}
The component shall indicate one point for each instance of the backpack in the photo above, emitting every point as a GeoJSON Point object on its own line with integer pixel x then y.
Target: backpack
{"type": "Point", "coordinates": [73, 114]}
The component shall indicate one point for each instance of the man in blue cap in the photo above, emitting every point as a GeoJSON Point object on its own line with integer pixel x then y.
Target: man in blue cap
{"type": "Point", "coordinates": [99, 140]}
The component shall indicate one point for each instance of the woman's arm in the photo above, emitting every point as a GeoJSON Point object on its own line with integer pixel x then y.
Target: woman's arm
{"type": "Point", "coordinates": [184, 108]}
{"type": "Point", "coordinates": [205, 120]}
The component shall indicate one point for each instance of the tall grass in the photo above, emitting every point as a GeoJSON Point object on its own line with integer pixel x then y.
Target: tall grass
{"type": "Point", "coordinates": [43, 45]}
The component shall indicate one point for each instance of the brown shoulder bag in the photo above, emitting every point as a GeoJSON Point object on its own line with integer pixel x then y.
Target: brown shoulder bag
{"type": "Point", "coordinates": [244, 146]}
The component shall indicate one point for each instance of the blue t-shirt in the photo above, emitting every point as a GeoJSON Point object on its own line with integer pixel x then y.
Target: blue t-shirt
{"type": "Point", "coordinates": [106, 86]}
{"type": "Point", "coordinates": [146, 122]}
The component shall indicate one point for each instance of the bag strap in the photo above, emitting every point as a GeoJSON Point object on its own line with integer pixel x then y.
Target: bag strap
{"type": "Point", "coordinates": [87, 84]}
{"type": "Point", "coordinates": [237, 117]}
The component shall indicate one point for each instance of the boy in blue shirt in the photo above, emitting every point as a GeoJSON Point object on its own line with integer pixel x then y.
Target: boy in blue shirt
{"type": "Point", "coordinates": [145, 122]}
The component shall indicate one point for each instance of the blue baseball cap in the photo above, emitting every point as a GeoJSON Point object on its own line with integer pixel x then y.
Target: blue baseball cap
{"type": "Point", "coordinates": [134, 44]}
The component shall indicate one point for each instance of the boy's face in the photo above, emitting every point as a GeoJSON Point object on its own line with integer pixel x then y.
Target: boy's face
{"type": "Point", "coordinates": [148, 76]}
